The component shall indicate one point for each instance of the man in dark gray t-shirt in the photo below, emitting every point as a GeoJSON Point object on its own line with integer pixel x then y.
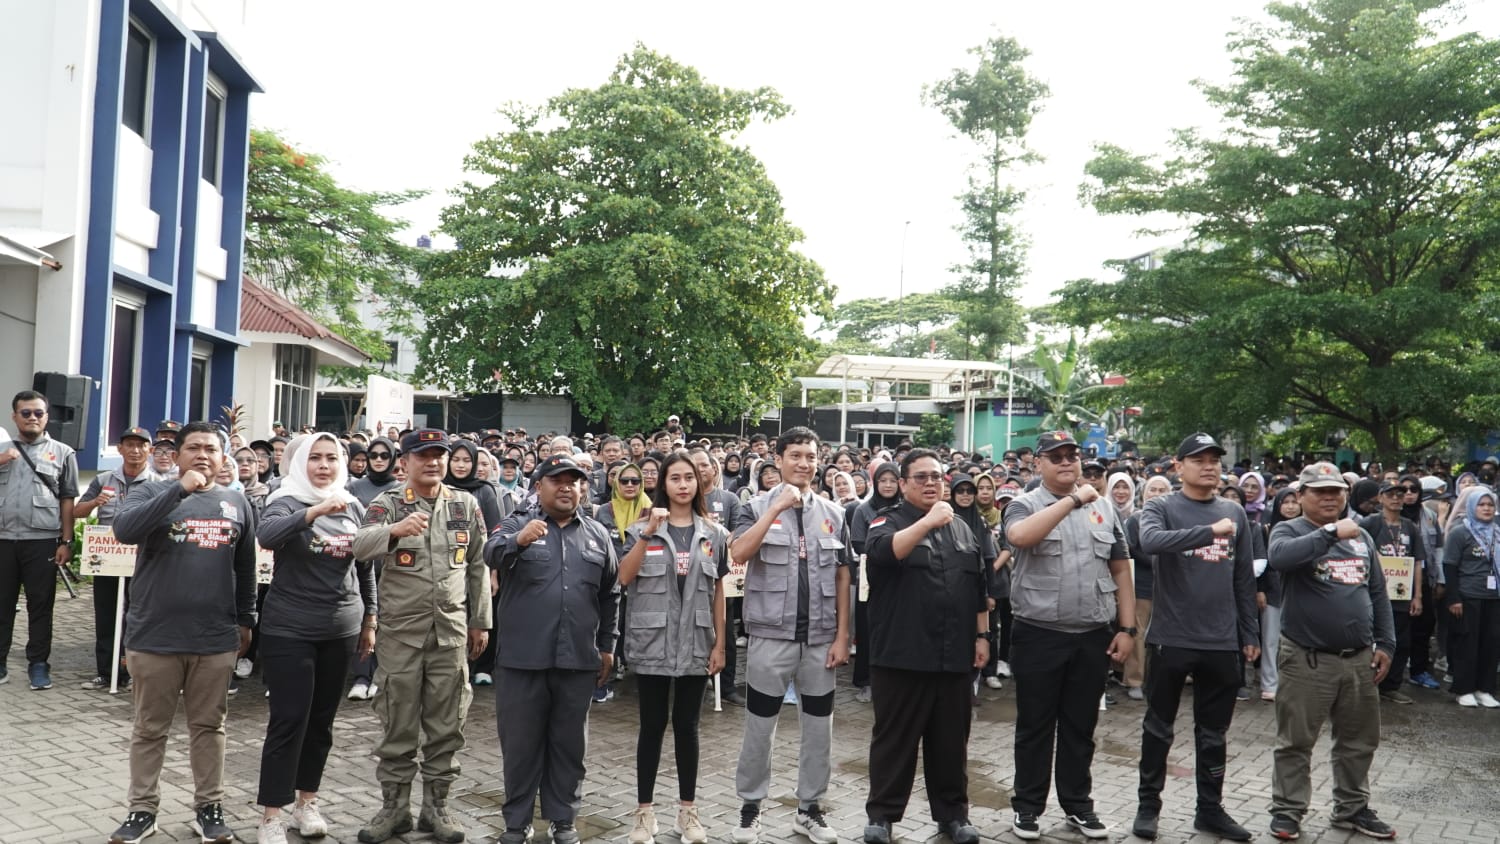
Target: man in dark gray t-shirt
{"type": "Point", "coordinates": [1203, 618]}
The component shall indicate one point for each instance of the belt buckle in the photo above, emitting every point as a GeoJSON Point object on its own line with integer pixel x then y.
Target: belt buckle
{"type": "Point", "coordinates": [1348, 652]}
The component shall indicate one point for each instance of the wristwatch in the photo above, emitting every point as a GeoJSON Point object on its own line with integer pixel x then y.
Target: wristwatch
{"type": "Point", "coordinates": [1132, 631]}
{"type": "Point", "coordinates": [981, 636]}
{"type": "Point", "coordinates": [1332, 529]}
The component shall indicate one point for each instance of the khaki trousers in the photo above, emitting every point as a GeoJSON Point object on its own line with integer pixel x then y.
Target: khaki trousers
{"type": "Point", "coordinates": [423, 702]}
{"type": "Point", "coordinates": [1135, 664]}
{"type": "Point", "coordinates": [1316, 687]}
{"type": "Point", "coordinates": [201, 681]}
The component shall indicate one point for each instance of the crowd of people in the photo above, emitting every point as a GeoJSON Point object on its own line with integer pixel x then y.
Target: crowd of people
{"type": "Point", "coordinates": [412, 566]}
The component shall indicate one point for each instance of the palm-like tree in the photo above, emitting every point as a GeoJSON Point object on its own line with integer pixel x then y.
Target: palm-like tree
{"type": "Point", "coordinates": [1062, 389]}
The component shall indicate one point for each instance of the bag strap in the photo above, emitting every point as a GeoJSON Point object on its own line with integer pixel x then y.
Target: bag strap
{"type": "Point", "coordinates": [46, 481]}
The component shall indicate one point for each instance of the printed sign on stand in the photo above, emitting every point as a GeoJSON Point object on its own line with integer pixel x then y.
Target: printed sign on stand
{"type": "Point", "coordinates": [105, 556]}
{"type": "Point", "coordinates": [265, 565]}
{"type": "Point", "coordinates": [1400, 576]}
{"type": "Point", "coordinates": [734, 582]}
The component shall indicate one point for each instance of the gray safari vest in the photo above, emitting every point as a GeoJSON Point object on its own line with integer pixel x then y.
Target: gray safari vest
{"type": "Point", "coordinates": [668, 634]}
{"type": "Point", "coordinates": [771, 577]}
{"type": "Point", "coordinates": [1063, 582]}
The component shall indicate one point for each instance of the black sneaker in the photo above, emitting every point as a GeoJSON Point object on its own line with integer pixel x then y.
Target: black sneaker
{"type": "Point", "coordinates": [960, 832]}
{"type": "Point", "coordinates": [1025, 826]}
{"type": "Point", "coordinates": [1365, 822]}
{"type": "Point", "coordinates": [137, 825]}
{"type": "Point", "coordinates": [1089, 824]}
{"type": "Point", "coordinates": [516, 836]}
{"type": "Point", "coordinates": [234, 685]}
{"type": "Point", "coordinates": [41, 676]}
{"type": "Point", "coordinates": [562, 832]}
{"type": "Point", "coordinates": [211, 826]}
{"type": "Point", "coordinates": [1285, 828]}
{"type": "Point", "coordinates": [1215, 821]}
{"type": "Point", "coordinates": [878, 831]}
{"type": "Point", "coordinates": [1146, 820]}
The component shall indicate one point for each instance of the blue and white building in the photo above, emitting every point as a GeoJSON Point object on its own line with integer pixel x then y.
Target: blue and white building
{"type": "Point", "coordinates": [122, 205]}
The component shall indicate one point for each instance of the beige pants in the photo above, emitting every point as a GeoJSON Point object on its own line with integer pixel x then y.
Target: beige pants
{"type": "Point", "coordinates": [1135, 664]}
{"type": "Point", "coordinates": [202, 683]}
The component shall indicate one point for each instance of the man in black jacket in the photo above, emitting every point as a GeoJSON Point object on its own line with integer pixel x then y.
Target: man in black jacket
{"type": "Point", "coordinates": [928, 626]}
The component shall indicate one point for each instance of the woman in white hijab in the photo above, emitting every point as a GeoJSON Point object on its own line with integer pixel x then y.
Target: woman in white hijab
{"type": "Point", "coordinates": [320, 604]}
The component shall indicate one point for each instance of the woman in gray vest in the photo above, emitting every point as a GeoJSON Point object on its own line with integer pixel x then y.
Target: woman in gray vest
{"type": "Point", "coordinates": [674, 564]}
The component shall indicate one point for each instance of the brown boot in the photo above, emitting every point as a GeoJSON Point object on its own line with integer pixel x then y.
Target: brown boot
{"type": "Point", "coordinates": [434, 817]}
{"type": "Point", "coordinates": [394, 816]}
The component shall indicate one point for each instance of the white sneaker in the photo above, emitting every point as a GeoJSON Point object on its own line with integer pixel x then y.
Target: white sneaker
{"type": "Point", "coordinates": [810, 822]}
{"type": "Point", "coordinates": [371, 691]}
{"type": "Point", "coordinates": [308, 820]}
{"type": "Point", "coordinates": [993, 682]}
{"type": "Point", "coordinates": [1002, 668]}
{"type": "Point", "coordinates": [243, 667]}
{"type": "Point", "coordinates": [1487, 700]}
{"type": "Point", "coordinates": [483, 679]}
{"type": "Point", "coordinates": [689, 828]}
{"type": "Point", "coordinates": [360, 691]}
{"type": "Point", "coordinates": [1467, 700]}
{"type": "Point", "coordinates": [272, 831]}
{"type": "Point", "coordinates": [643, 831]}
{"type": "Point", "coordinates": [741, 642]}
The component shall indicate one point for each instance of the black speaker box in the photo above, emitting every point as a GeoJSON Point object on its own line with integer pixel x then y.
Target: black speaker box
{"type": "Point", "coordinates": [67, 405]}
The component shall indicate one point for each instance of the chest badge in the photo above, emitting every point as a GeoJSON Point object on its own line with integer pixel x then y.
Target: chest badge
{"type": "Point", "coordinates": [410, 496]}
{"type": "Point", "coordinates": [462, 537]}
{"type": "Point", "coordinates": [455, 510]}
{"type": "Point", "coordinates": [708, 547]}
{"type": "Point", "coordinates": [828, 526]}
{"type": "Point", "coordinates": [1096, 517]}
{"type": "Point", "coordinates": [406, 559]}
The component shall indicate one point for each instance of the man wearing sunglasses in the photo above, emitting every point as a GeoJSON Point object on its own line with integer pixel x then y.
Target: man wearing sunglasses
{"type": "Point", "coordinates": [1071, 581]}
{"type": "Point", "coordinates": [38, 483]}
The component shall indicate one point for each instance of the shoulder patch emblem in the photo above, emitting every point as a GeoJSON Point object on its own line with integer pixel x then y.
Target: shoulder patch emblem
{"type": "Point", "coordinates": [376, 514]}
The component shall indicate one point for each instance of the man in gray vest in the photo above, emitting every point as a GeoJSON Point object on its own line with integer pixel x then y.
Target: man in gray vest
{"type": "Point", "coordinates": [1072, 579]}
{"type": "Point", "coordinates": [38, 483]}
{"type": "Point", "coordinates": [797, 614]}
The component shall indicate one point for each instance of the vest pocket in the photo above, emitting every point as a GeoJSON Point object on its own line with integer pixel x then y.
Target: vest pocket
{"type": "Point", "coordinates": [652, 579]}
{"type": "Point", "coordinates": [703, 621]}
{"type": "Point", "coordinates": [648, 636]}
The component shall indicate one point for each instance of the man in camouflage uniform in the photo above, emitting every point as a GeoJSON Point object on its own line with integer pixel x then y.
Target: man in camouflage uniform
{"type": "Point", "coordinates": [434, 599]}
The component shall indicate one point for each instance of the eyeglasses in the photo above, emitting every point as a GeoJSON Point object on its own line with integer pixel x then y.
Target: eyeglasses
{"type": "Point", "coordinates": [28, 413]}
{"type": "Point", "coordinates": [380, 455]}
{"type": "Point", "coordinates": [1055, 458]}
{"type": "Point", "coordinates": [1093, 473]}
{"type": "Point", "coordinates": [925, 478]}
{"type": "Point", "coordinates": [1409, 489]}
{"type": "Point", "coordinates": [629, 481]}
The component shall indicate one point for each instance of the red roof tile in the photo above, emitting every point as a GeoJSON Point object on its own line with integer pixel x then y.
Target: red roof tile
{"type": "Point", "coordinates": [264, 310]}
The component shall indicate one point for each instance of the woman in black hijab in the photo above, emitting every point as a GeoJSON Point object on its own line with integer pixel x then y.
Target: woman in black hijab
{"type": "Point", "coordinates": [463, 464]}
{"type": "Point", "coordinates": [380, 462]}
{"type": "Point", "coordinates": [358, 463]}
{"type": "Point", "coordinates": [885, 491]}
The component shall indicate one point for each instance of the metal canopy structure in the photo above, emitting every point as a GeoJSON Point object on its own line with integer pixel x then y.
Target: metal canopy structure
{"type": "Point", "coordinates": [907, 370]}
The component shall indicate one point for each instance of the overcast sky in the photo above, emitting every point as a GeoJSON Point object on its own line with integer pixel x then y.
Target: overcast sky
{"type": "Point", "coordinates": [395, 93]}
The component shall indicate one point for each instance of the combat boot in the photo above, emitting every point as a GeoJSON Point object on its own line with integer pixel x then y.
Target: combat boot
{"type": "Point", "coordinates": [434, 817]}
{"type": "Point", "coordinates": [394, 816]}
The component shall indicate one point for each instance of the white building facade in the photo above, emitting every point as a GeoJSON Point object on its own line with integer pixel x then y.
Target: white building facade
{"type": "Point", "coordinates": [122, 206]}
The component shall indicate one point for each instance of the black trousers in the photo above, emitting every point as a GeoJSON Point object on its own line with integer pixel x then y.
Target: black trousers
{"type": "Point", "coordinates": [1474, 647]}
{"type": "Point", "coordinates": [1401, 614]}
{"type": "Point", "coordinates": [306, 682]}
{"type": "Point", "coordinates": [253, 652]}
{"type": "Point", "coordinates": [682, 699]}
{"type": "Point", "coordinates": [1000, 623]}
{"type": "Point", "coordinates": [106, 604]}
{"type": "Point", "coordinates": [28, 564]}
{"type": "Point", "coordinates": [543, 720]}
{"type": "Point", "coordinates": [927, 708]}
{"type": "Point", "coordinates": [861, 676]}
{"type": "Point", "coordinates": [1058, 678]}
{"type": "Point", "coordinates": [1216, 677]}
{"type": "Point", "coordinates": [1422, 627]}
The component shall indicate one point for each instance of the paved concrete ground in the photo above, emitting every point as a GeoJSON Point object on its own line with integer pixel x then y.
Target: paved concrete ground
{"type": "Point", "coordinates": [63, 767]}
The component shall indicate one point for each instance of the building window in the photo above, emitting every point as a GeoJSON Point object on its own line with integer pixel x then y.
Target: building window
{"type": "Point", "coordinates": [213, 133]}
{"type": "Point", "coordinates": [124, 363]}
{"type": "Point", "coordinates": [294, 385]}
{"type": "Point", "coordinates": [137, 82]}
{"type": "Point", "coordinates": [198, 389]}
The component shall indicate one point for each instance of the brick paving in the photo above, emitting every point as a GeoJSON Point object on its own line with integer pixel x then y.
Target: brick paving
{"type": "Point", "coordinates": [63, 763]}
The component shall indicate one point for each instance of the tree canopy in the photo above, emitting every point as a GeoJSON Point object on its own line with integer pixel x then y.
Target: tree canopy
{"type": "Point", "coordinates": [991, 103]}
{"type": "Point", "coordinates": [325, 246]}
{"type": "Point", "coordinates": [1339, 271]}
{"type": "Point", "coordinates": [617, 244]}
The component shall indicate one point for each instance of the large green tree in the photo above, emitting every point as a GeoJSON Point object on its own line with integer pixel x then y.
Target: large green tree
{"type": "Point", "coordinates": [991, 103]}
{"type": "Point", "coordinates": [1340, 264]}
{"type": "Point", "coordinates": [323, 245]}
{"type": "Point", "coordinates": [618, 244]}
